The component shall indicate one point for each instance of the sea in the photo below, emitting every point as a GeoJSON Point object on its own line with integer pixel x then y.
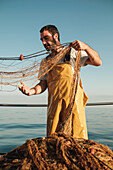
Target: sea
{"type": "Point", "coordinates": [17, 124]}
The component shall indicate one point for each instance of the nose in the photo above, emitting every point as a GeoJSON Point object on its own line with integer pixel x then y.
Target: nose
{"type": "Point", "coordinates": [43, 41]}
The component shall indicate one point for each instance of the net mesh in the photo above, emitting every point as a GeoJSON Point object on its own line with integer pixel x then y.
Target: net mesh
{"type": "Point", "coordinates": [13, 70]}
{"type": "Point", "coordinates": [58, 151]}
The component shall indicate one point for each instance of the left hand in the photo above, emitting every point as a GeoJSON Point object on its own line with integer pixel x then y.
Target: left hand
{"type": "Point", "coordinates": [78, 45]}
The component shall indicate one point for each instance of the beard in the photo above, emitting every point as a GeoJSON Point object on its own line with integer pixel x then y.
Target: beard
{"type": "Point", "coordinates": [50, 45]}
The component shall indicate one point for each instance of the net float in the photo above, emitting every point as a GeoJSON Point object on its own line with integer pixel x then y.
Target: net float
{"type": "Point", "coordinates": [21, 57]}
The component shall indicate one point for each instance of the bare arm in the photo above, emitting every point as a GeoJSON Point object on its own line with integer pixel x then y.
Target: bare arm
{"type": "Point", "coordinates": [39, 88]}
{"type": "Point", "coordinates": [94, 58]}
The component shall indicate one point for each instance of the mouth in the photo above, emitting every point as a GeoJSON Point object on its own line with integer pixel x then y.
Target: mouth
{"type": "Point", "coordinates": [48, 47]}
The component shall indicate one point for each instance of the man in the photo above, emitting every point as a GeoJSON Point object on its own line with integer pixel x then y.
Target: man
{"type": "Point", "coordinates": [59, 82]}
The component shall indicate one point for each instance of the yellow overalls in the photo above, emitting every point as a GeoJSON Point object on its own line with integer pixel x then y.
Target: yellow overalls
{"type": "Point", "coordinates": [59, 81]}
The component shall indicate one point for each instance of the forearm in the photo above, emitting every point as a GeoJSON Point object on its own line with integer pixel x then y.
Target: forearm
{"type": "Point", "coordinates": [38, 89]}
{"type": "Point", "coordinates": [94, 58]}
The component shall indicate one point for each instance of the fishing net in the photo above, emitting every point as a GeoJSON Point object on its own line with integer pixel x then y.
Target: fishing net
{"type": "Point", "coordinates": [29, 72]}
{"type": "Point", "coordinates": [13, 70]}
{"type": "Point", "coordinates": [58, 151]}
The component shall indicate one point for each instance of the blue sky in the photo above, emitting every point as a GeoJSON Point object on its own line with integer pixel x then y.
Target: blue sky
{"type": "Point", "coordinates": [90, 21]}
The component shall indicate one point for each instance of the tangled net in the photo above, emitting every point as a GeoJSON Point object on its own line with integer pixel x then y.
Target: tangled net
{"type": "Point", "coordinates": [13, 70]}
{"type": "Point", "coordinates": [58, 151]}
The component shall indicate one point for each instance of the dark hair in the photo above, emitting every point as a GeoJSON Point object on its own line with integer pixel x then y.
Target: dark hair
{"type": "Point", "coordinates": [52, 29]}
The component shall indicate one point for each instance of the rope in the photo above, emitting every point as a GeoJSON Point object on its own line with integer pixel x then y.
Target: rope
{"type": "Point", "coordinates": [74, 86]}
{"type": "Point", "coordinates": [36, 155]}
{"type": "Point", "coordinates": [33, 55]}
{"type": "Point", "coordinates": [58, 151]}
{"type": "Point", "coordinates": [63, 142]}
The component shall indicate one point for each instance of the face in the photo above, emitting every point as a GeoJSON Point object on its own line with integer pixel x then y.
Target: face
{"type": "Point", "coordinates": [48, 41]}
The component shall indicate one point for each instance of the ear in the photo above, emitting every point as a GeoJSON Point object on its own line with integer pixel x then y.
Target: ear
{"type": "Point", "coordinates": [56, 36]}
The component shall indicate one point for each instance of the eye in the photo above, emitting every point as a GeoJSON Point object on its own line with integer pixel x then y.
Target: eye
{"type": "Point", "coordinates": [46, 37]}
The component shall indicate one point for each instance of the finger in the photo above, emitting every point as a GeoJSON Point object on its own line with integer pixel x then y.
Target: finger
{"type": "Point", "coordinates": [22, 83]}
{"type": "Point", "coordinates": [74, 43]}
{"type": "Point", "coordinates": [20, 86]}
{"type": "Point", "coordinates": [26, 91]}
{"type": "Point", "coordinates": [76, 46]}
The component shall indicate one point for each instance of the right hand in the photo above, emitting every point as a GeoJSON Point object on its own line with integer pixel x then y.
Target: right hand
{"type": "Point", "coordinates": [24, 89]}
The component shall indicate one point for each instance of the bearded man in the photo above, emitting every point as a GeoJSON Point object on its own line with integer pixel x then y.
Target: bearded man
{"type": "Point", "coordinates": [59, 81]}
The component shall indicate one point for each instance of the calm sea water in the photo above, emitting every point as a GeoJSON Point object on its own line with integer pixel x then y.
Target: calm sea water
{"type": "Point", "coordinates": [19, 124]}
